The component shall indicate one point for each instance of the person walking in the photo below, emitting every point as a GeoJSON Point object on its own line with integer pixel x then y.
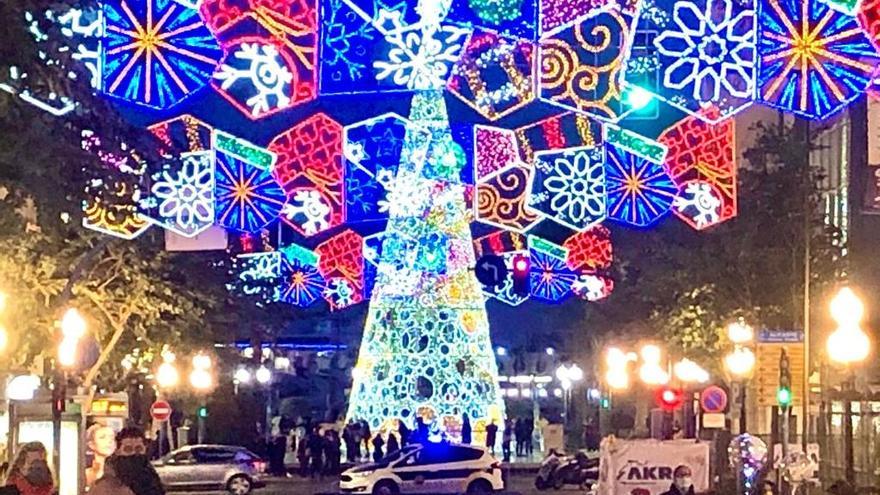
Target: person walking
{"type": "Point", "coordinates": [29, 472]}
{"type": "Point", "coordinates": [491, 436]}
{"type": "Point", "coordinates": [109, 483]}
{"type": "Point", "coordinates": [506, 437]}
{"type": "Point", "coordinates": [529, 429]}
{"type": "Point", "coordinates": [466, 432]}
{"type": "Point", "coordinates": [316, 454]}
{"type": "Point", "coordinates": [348, 440]}
{"type": "Point", "coordinates": [377, 447]}
{"type": "Point", "coordinates": [302, 456]}
{"type": "Point", "coordinates": [404, 433]}
{"type": "Point", "coordinates": [520, 436]}
{"type": "Point", "coordinates": [393, 445]}
{"type": "Point", "coordinates": [332, 451]}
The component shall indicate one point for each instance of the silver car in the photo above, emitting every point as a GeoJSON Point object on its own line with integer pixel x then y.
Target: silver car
{"type": "Point", "coordinates": [211, 467]}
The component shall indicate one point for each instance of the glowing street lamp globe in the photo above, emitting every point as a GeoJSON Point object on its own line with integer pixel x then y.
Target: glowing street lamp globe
{"type": "Point", "coordinates": [242, 375]}
{"type": "Point", "coordinates": [739, 332]}
{"type": "Point", "coordinates": [201, 380]}
{"type": "Point", "coordinates": [263, 375]}
{"type": "Point", "coordinates": [73, 326]}
{"type": "Point", "coordinates": [167, 375]}
{"type": "Point", "coordinates": [848, 345]}
{"type": "Point", "coordinates": [740, 362]}
{"type": "Point", "coordinates": [846, 308]}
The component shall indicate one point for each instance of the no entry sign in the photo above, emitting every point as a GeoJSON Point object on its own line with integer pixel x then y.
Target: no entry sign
{"type": "Point", "coordinates": [160, 410]}
{"type": "Point", "coordinates": [713, 399]}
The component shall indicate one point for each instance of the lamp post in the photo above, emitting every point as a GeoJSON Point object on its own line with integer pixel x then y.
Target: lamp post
{"type": "Point", "coordinates": [73, 328]}
{"type": "Point", "coordinates": [567, 376]}
{"type": "Point", "coordinates": [848, 345]}
{"type": "Point", "coordinates": [167, 377]}
{"type": "Point", "coordinates": [740, 362]}
{"type": "Point", "coordinates": [201, 380]}
{"type": "Point", "coordinates": [263, 376]}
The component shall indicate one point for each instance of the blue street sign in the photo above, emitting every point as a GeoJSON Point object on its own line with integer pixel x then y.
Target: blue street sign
{"type": "Point", "coordinates": [491, 270]}
{"type": "Point", "coordinates": [780, 336]}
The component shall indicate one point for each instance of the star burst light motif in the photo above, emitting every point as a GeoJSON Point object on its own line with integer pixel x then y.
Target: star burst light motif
{"type": "Point", "coordinates": [639, 191]}
{"type": "Point", "coordinates": [248, 198]}
{"type": "Point", "coordinates": [155, 52]}
{"type": "Point", "coordinates": [813, 60]}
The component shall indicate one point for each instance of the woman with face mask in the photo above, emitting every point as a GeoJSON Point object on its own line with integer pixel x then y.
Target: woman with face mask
{"type": "Point", "coordinates": [682, 482]}
{"type": "Point", "coordinates": [30, 472]}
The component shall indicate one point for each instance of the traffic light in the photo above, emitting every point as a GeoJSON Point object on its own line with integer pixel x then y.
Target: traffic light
{"type": "Point", "coordinates": [783, 393]}
{"type": "Point", "coordinates": [783, 397]}
{"type": "Point", "coordinates": [669, 399]}
{"type": "Point", "coordinates": [605, 403]}
{"type": "Point", "coordinates": [521, 266]}
{"type": "Point", "coordinates": [203, 412]}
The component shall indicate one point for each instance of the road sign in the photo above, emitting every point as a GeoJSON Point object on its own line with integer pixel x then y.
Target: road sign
{"type": "Point", "coordinates": [490, 270]}
{"type": "Point", "coordinates": [160, 410]}
{"type": "Point", "coordinates": [714, 420]}
{"type": "Point", "coordinates": [767, 369]}
{"type": "Point", "coordinates": [713, 399]}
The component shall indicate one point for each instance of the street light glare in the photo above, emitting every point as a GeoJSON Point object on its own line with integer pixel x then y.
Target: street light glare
{"type": "Point", "coordinates": [4, 338]}
{"type": "Point", "coordinates": [690, 372]}
{"type": "Point", "coordinates": [67, 352]}
{"type": "Point", "coordinates": [846, 308]}
{"type": "Point", "coordinates": [242, 375]}
{"type": "Point", "coordinates": [201, 362]}
{"type": "Point", "coordinates": [201, 379]}
{"type": "Point", "coordinates": [848, 345]}
{"type": "Point", "coordinates": [740, 362]}
{"type": "Point", "coordinates": [73, 325]}
{"type": "Point", "coordinates": [167, 375]}
{"type": "Point", "coordinates": [740, 333]}
{"type": "Point", "coordinates": [263, 375]}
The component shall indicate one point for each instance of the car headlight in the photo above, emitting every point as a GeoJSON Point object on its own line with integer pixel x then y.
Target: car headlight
{"type": "Point", "coordinates": [361, 474]}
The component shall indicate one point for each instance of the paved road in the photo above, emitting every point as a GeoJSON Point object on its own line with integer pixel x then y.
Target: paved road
{"type": "Point", "coordinates": [519, 483]}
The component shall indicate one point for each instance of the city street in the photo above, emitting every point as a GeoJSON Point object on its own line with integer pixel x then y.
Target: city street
{"type": "Point", "coordinates": [519, 483]}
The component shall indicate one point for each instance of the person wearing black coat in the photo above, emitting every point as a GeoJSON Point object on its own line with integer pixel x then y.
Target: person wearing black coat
{"type": "Point", "coordinates": [466, 432]}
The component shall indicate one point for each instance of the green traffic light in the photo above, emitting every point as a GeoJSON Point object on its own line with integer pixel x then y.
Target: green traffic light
{"type": "Point", "coordinates": [203, 412]}
{"type": "Point", "coordinates": [783, 396]}
{"type": "Point", "coordinates": [606, 403]}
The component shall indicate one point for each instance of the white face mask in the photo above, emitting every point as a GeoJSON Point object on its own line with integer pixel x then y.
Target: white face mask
{"type": "Point", "coordinates": [683, 484]}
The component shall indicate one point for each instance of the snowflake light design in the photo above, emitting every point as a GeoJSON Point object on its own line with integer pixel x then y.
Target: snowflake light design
{"type": "Point", "coordinates": [421, 55]}
{"type": "Point", "coordinates": [248, 198]}
{"type": "Point", "coordinates": [701, 203]}
{"type": "Point", "coordinates": [185, 196]}
{"type": "Point", "coordinates": [257, 75]}
{"type": "Point", "coordinates": [592, 287]}
{"type": "Point", "coordinates": [155, 52]}
{"type": "Point", "coordinates": [569, 186]}
{"type": "Point", "coordinates": [705, 51]}
{"type": "Point", "coordinates": [814, 60]}
{"type": "Point", "coordinates": [640, 192]}
{"type": "Point", "coordinates": [308, 210]}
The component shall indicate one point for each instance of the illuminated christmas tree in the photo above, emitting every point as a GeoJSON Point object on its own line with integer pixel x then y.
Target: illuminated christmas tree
{"type": "Point", "coordinates": [426, 350]}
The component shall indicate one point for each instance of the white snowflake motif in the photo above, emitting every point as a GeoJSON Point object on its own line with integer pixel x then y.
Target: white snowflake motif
{"type": "Point", "coordinates": [590, 287]}
{"type": "Point", "coordinates": [407, 197]}
{"type": "Point", "coordinates": [312, 206]}
{"type": "Point", "coordinates": [186, 198]}
{"type": "Point", "coordinates": [703, 200]}
{"type": "Point", "coordinates": [265, 71]}
{"type": "Point", "coordinates": [422, 54]}
{"type": "Point", "coordinates": [339, 292]}
{"type": "Point", "coordinates": [385, 177]}
{"type": "Point", "coordinates": [712, 52]}
{"type": "Point", "coordinates": [354, 152]}
{"type": "Point", "coordinates": [575, 187]}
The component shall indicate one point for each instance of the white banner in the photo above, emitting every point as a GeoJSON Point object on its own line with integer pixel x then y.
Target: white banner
{"type": "Point", "coordinates": [212, 239]}
{"type": "Point", "coordinates": [645, 467]}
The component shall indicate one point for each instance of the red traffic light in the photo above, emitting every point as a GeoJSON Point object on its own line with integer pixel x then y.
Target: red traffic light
{"type": "Point", "coordinates": [669, 399]}
{"type": "Point", "coordinates": [521, 264]}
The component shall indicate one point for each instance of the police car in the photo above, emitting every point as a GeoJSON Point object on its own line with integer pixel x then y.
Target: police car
{"type": "Point", "coordinates": [430, 468]}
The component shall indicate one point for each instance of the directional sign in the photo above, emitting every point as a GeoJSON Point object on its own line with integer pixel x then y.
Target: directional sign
{"type": "Point", "coordinates": [713, 399]}
{"type": "Point", "coordinates": [160, 410]}
{"type": "Point", "coordinates": [490, 270]}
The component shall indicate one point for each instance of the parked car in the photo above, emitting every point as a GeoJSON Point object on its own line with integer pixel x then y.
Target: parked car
{"type": "Point", "coordinates": [432, 468]}
{"type": "Point", "coordinates": [211, 467]}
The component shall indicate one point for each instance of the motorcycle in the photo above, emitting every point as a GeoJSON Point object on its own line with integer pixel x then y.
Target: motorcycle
{"type": "Point", "coordinates": [557, 471]}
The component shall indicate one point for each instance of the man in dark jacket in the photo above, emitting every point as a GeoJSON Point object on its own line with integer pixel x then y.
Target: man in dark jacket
{"type": "Point", "coordinates": [682, 483]}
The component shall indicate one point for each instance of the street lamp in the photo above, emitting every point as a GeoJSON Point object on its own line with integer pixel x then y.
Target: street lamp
{"type": "Point", "coordinates": [201, 380]}
{"type": "Point", "coordinates": [848, 345]}
{"type": "Point", "coordinates": [651, 373]}
{"type": "Point", "coordinates": [567, 376]}
{"type": "Point", "coordinates": [263, 376]}
{"type": "Point", "coordinates": [73, 328]}
{"type": "Point", "coordinates": [617, 375]}
{"type": "Point", "coordinates": [740, 362]}
{"type": "Point", "coordinates": [167, 376]}
{"type": "Point", "coordinates": [688, 371]}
